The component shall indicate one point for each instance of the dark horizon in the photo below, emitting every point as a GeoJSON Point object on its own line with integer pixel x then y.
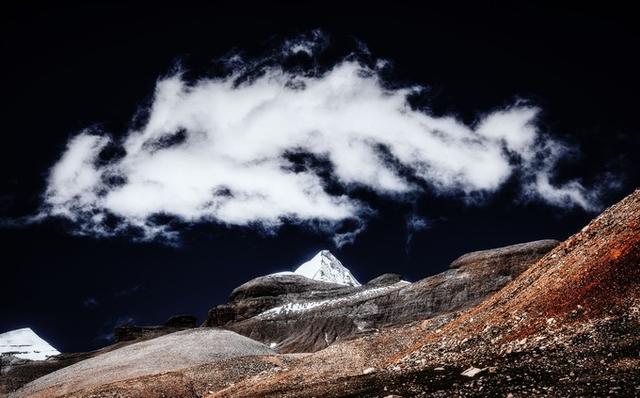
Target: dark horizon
{"type": "Point", "coordinates": [69, 68]}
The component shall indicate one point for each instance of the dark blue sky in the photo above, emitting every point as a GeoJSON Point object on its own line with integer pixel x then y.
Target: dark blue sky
{"type": "Point", "coordinates": [67, 68]}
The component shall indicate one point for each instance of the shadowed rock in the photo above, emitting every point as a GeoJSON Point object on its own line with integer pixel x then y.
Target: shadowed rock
{"type": "Point", "coordinates": [385, 280]}
{"type": "Point", "coordinates": [134, 332]}
{"type": "Point", "coordinates": [522, 253]}
{"type": "Point", "coordinates": [297, 314]}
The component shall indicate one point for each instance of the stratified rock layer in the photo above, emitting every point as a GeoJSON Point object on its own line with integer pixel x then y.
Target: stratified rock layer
{"type": "Point", "coordinates": [297, 314]}
{"type": "Point", "coordinates": [266, 292]}
{"type": "Point", "coordinates": [565, 327]}
{"type": "Point", "coordinates": [523, 253]}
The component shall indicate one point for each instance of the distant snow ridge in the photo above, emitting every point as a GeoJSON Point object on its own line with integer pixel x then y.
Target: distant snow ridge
{"type": "Point", "coordinates": [325, 267]}
{"type": "Point", "coordinates": [25, 344]}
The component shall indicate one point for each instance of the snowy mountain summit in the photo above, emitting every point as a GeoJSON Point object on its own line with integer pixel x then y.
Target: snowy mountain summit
{"type": "Point", "coordinates": [325, 267]}
{"type": "Point", "coordinates": [26, 344]}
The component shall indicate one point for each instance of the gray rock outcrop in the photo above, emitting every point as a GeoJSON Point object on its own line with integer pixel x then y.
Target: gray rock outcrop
{"type": "Point", "coordinates": [296, 314]}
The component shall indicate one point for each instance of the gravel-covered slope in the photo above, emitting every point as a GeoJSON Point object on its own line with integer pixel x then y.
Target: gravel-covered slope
{"type": "Point", "coordinates": [163, 354]}
{"type": "Point", "coordinates": [565, 327]}
{"type": "Point", "coordinates": [14, 373]}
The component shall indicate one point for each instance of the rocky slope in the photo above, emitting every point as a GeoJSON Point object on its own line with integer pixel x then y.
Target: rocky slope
{"type": "Point", "coordinates": [16, 372]}
{"type": "Point", "coordinates": [565, 327]}
{"type": "Point", "coordinates": [319, 313]}
{"type": "Point", "coordinates": [179, 350]}
{"type": "Point", "coordinates": [296, 314]}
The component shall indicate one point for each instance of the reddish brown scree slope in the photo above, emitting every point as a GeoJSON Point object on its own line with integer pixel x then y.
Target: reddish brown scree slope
{"type": "Point", "coordinates": [594, 273]}
{"type": "Point", "coordinates": [586, 283]}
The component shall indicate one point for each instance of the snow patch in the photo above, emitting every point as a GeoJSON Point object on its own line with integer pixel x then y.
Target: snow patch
{"type": "Point", "coordinates": [25, 344]}
{"type": "Point", "coordinates": [295, 308]}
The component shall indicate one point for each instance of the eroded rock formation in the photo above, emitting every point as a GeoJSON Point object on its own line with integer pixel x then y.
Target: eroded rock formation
{"type": "Point", "coordinates": [296, 314]}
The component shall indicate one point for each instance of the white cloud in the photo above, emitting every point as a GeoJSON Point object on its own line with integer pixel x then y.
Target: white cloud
{"type": "Point", "coordinates": [310, 44]}
{"type": "Point", "coordinates": [414, 224]}
{"type": "Point", "coordinates": [74, 178]}
{"type": "Point", "coordinates": [219, 150]}
{"type": "Point", "coordinates": [417, 223]}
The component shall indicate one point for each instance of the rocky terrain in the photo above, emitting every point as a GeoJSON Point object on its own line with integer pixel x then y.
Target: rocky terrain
{"type": "Point", "coordinates": [565, 327]}
{"type": "Point", "coordinates": [296, 314]}
{"type": "Point", "coordinates": [167, 353]}
{"type": "Point", "coordinates": [537, 319]}
{"type": "Point", "coordinates": [16, 372]}
{"type": "Point", "coordinates": [139, 333]}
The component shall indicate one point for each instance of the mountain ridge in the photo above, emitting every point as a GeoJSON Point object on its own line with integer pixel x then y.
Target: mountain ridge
{"type": "Point", "coordinates": [300, 315]}
{"type": "Point", "coordinates": [553, 320]}
{"type": "Point", "coordinates": [565, 327]}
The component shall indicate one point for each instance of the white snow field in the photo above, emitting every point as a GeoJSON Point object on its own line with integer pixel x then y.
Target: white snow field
{"type": "Point", "coordinates": [26, 344]}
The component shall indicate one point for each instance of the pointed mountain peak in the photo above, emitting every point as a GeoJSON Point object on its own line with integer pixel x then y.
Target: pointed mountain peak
{"type": "Point", "coordinates": [26, 344]}
{"type": "Point", "coordinates": [325, 267]}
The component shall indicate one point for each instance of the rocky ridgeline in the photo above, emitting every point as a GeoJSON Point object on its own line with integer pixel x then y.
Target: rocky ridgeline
{"type": "Point", "coordinates": [296, 314]}
{"type": "Point", "coordinates": [567, 326]}
{"type": "Point", "coordinates": [497, 259]}
{"type": "Point", "coordinates": [134, 332]}
{"type": "Point", "coordinates": [538, 319]}
{"type": "Point", "coordinates": [288, 311]}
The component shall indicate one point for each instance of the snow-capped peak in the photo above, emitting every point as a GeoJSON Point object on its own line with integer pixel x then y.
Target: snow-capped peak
{"type": "Point", "coordinates": [325, 267]}
{"type": "Point", "coordinates": [26, 344]}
